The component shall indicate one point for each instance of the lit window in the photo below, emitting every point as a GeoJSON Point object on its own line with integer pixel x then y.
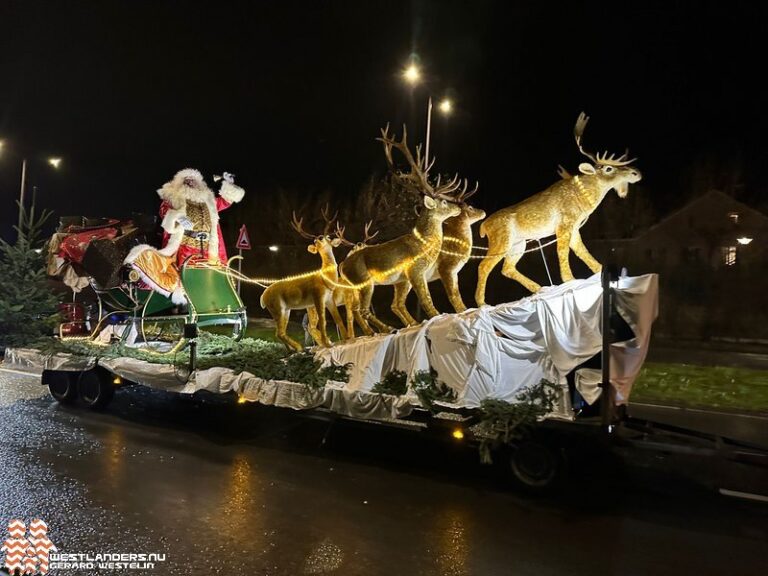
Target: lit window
{"type": "Point", "coordinates": [734, 216]}
{"type": "Point", "coordinates": [729, 255]}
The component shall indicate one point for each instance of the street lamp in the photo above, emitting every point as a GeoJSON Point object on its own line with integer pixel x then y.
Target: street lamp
{"type": "Point", "coordinates": [744, 240]}
{"type": "Point", "coordinates": [412, 75]}
{"type": "Point", "coordinates": [53, 161]}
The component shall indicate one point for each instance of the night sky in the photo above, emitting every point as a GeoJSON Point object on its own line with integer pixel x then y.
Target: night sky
{"type": "Point", "coordinates": [292, 94]}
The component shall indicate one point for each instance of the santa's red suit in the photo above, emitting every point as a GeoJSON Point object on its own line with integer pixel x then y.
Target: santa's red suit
{"type": "Point", "coordinates": [187, 201]}
{"type": "Point", "coordinates": [188, 209]}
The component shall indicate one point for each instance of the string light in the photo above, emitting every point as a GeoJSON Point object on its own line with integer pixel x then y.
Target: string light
{"type": "Point", "coordinates": [376, 276]}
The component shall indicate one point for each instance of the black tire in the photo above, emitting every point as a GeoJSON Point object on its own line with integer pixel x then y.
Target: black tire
{"type": "Point", "coordinates": [536, 466]}
{"type": "Point", "coordinates": [95, 389]}
{"type": "Point", "coordinates": [61, 385]}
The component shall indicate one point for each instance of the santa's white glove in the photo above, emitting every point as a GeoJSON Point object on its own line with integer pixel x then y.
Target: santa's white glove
{"type": "Point", "coordinates": [186, 223]}
{"type": "Point", "coordinates": [228, 177]}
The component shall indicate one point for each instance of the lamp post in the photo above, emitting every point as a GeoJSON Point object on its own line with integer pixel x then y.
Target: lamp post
{"type": "Point", "coordinates": [412, 75]}
{"type": "Point", "coordinates": [55, 162]}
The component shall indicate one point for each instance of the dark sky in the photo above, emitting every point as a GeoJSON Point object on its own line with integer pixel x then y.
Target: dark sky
{"type": "Point", "coordinates": [292, 94]}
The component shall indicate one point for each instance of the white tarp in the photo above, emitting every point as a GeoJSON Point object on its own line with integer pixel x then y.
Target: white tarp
{"type": "Point", "coordinates": [497, 351]}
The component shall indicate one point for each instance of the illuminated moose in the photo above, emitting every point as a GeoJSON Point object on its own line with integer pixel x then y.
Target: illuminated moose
{"type": "Point", "coordinates": [561, 210]}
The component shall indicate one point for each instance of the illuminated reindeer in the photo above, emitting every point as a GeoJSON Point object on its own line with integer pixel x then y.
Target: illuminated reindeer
{"type": "Point", "coordinates": [561, 210]}
{"type": "Point", "coordinates": [404, 261]}
{"type": "Point", "coordinates": [305, 291]}
{"type": "Point", "coordinates": [456, 248]}
{"type": "Point", "coordinates": [350, 297]}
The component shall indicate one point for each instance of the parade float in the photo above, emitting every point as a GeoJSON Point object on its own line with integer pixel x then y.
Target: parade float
{"type": "Point", "coordinates": [478, 372]}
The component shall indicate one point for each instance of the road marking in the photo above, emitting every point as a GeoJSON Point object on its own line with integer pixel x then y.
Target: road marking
{"type": "Point", "coordinates": [743, 495]}
{"type": "Point", "coordinates": [19, 372]}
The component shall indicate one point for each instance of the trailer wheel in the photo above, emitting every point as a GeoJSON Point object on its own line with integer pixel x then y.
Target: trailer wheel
{"type": "Point", "coordinates": [95, 389]}
{"type": "Point", "coordinates": [61, 385]}
{"type": "Point", "coordinates": [536, 466]}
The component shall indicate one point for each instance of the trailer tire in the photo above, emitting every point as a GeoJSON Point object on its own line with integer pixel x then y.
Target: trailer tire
{"type": "Point", "coordinates": [61, 385]}
{"type": "Point", "coordinates": [536, 466]}
{"type": "Point", "coordinates": [95, 389]}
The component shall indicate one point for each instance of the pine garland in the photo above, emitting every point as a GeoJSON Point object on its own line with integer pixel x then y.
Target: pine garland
{"type": "Point", "coordinates": [504, 422]}
{"type": "Point", "coordinates": [430, 390]}
{"type": "Point", "coordinates": [395, 382]}
{"type": "Point", "coordinates": [263, 359]}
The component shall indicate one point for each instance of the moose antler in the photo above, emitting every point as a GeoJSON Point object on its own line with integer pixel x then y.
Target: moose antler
{"type": "Point", "coordinates": [298, 225]}
{"type": "Point", "coordinates": [604, 159]}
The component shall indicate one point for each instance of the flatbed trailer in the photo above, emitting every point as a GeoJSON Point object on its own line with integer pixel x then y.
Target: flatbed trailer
{"type": "Point", "coordinates": [537, 460]}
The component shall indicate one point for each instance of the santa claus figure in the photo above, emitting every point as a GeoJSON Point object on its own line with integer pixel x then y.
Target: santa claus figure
{"type": "Point", "coordinates": [190, 214]}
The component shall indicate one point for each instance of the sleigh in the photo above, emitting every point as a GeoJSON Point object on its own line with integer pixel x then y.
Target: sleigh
{"type": "Point", "coordinates": [125, 308]}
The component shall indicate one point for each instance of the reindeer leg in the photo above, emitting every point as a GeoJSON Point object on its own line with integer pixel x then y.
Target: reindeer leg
{"type": "Point", "coordinates": [281, 316]}
{"type": "Point", "coordinates": [496, 252]}
{"type": "Point", "coordinates": [450, 280]}
{"type": "Point", "coordinates": [312, 325]}
{"type": "Point", "coordinates": [578, 247]}
{"type": "Point", "coordinates": [416, 278]}
{"type": "Point", "coordinates": [510, 270]}
{"type": "Point", "coordinates": [563, 251]}
{"type": "Point", "coordinates": [320, 306]}
{"type": "Point", "coordinates": [337, 319]}
{"type": "Point", "coordinates": [366, 294]}
{"type": "Point", "coordinates": [398, 303]}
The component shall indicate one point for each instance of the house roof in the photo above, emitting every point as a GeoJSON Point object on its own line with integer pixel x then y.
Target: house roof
{"type": "Point", "coordinates": [708, 196]}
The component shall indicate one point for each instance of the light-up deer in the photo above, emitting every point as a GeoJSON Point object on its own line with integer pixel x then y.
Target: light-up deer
{"type": "Point", "coordinates": [456, 248]}
{"type": "Point", "coordinates": [305, 291]}
{"type": "Point", "coordinates": [403, 261]}
{"type": "Point", "coordinates": [561, 210]}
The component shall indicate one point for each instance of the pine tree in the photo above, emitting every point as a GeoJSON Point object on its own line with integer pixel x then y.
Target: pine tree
{"type": "Point", "coordinates": [27, 303]}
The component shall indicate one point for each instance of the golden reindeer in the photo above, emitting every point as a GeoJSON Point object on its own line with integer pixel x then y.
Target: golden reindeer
{"type": "Point", "coordinates": [307, 291]}
{"type": "Point", "coordinates": [456, 248]}
{"type": "Point", "coordinates": [403, 261]}
{"type": "Point", "coordinates": [561, 210]}
{"type": "Point", "coordinates": [342, 295]}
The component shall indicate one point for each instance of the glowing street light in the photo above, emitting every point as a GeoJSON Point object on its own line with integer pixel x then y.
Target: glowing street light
{"type": "Point", "coordinates": [53, 161]}
{"type": "Point", "coordinates": [744, 240]}
{"type": "Point", "coordinates": [412, 74]}
{"type": "Point", "coordinates": [274, 248]}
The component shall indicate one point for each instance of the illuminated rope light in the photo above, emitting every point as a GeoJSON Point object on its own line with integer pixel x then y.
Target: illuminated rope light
{"type": "Point", "coordinates": [377, 276]}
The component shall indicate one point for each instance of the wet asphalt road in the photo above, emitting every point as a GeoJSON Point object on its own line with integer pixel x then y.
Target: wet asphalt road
{"type": "Point", "coordinates": [241, 489]}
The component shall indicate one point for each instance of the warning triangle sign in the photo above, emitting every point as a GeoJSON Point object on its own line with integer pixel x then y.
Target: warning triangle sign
{"type": "Point", "coordinates": [243, 240]}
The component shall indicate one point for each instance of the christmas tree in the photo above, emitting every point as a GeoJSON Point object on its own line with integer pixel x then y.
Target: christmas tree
{"type": "Point", "coordinates": [27, 303]}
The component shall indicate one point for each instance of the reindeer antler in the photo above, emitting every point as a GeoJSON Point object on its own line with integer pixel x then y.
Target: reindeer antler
{"type": "Point", "coordinates": [298, 225]}
{"type": "Point", "coordinates": [417, 180]}
{"type": "Point", "coordinates": [605, 160]}
{"type": "Point", "coordinates": [340, 235]}
{"type": "Point", "coordinates": [328, 221]}
{"type": "Point", "coordinates": [368, 235]}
